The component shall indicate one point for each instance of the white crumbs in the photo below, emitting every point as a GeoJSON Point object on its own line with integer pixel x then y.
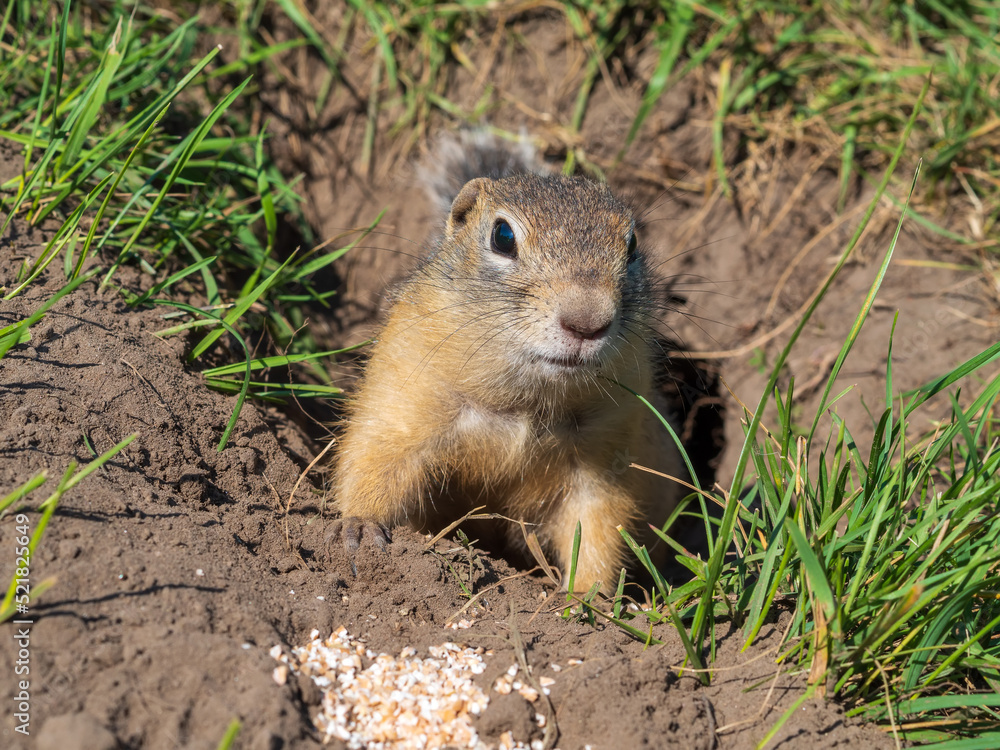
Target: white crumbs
{"type": "Point", "coordinates": [377, 701]}
{"type": "Point", "coordinates": [508, 682]}
{"type": "Point", "coordinates": [403, 702]}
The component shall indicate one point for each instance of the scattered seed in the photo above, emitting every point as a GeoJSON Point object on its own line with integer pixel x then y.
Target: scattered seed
{"type": "Point", "coordinates": [528, 693]}
{"type": "Point", "coordinates": [406, 701]}
{"type": "Point", "coordinates": [375, 700]}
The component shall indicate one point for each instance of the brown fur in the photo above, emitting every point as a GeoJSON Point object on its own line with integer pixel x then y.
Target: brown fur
{"type": "Point", "coordinates": [464, 401]}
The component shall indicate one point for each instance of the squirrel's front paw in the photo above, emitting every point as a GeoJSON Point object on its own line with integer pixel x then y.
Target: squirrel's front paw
{"type": "Point", "coordinates": [351, 530]}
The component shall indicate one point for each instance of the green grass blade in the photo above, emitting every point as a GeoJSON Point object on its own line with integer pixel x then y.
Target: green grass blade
{"type": "Point", "coordinates": [264, 191]}
{"type": "Point", "coordinates": [862, 316]}
{"type": "Point", "coordinates": [230, 736]}
{"type": "Point", "coordinates": [692, 651]}
{"type": "Point", "coordinates": [237, 311]}
{"type": "Point", "coordinates": [171, 280]}
{"type": "Point", "coordinates": [224, 440]}
{"type": "Point", "coordinates": [70, 479]}
{"type": "Point", "coordinates": [114, 186]}
{"type": "Point", "coordinates": [85, 115]}
{"type": "Point", "coordinates": [12, 334]}
{"type": "Point", "coordinates": [815, 571]}
{"type": "Point", "coordinates": [21, 492]}
{"type": "Point", "coordinates": [183, 153]}
{"type": "Point", "coordinates": [671, 37]}
{"type": "Point", "coordinates": [282, 360]}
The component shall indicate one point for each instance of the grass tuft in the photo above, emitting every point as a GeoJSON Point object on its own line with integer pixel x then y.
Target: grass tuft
{"type": "Point", "coordinates": [19, 592]}
{"type": "Point", "coordinates": [98, 105]}
{"type": "Point", "coordinates": [887, 560]}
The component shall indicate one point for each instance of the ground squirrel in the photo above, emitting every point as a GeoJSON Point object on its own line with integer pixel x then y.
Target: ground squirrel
{"type": "Point", "coordinates": [493, 381]}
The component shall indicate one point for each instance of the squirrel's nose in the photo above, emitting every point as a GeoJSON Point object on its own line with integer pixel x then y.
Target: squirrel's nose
{"type": "Point", "coordinates": [586, 324]}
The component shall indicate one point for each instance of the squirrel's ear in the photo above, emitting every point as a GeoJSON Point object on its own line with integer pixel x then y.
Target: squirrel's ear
{"type": "Point", "coordinates": [464, 202]}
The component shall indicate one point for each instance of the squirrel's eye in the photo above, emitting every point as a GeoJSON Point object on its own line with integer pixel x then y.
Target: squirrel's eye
{"type": "Point", "coordinates": [633, 246]}
{"type": "Point", "coordinates": [503, 241]}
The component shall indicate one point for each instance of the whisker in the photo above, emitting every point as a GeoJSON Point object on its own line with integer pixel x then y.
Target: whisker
{"type": "Point", "coordinates": [365, 230]}
{"type": "Point", "coordinates": [425, 360]}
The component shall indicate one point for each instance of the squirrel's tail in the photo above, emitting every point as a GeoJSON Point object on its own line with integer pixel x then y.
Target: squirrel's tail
{"type": "Point", "coordinates": [468, 154]}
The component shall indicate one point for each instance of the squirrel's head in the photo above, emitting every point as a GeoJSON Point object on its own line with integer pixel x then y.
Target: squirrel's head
{"type": "Point", "coordinates": [548, 277]}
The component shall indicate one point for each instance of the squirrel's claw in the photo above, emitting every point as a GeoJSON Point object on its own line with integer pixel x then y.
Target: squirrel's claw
{"type": "Point", "coordinates": [352, 530]}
